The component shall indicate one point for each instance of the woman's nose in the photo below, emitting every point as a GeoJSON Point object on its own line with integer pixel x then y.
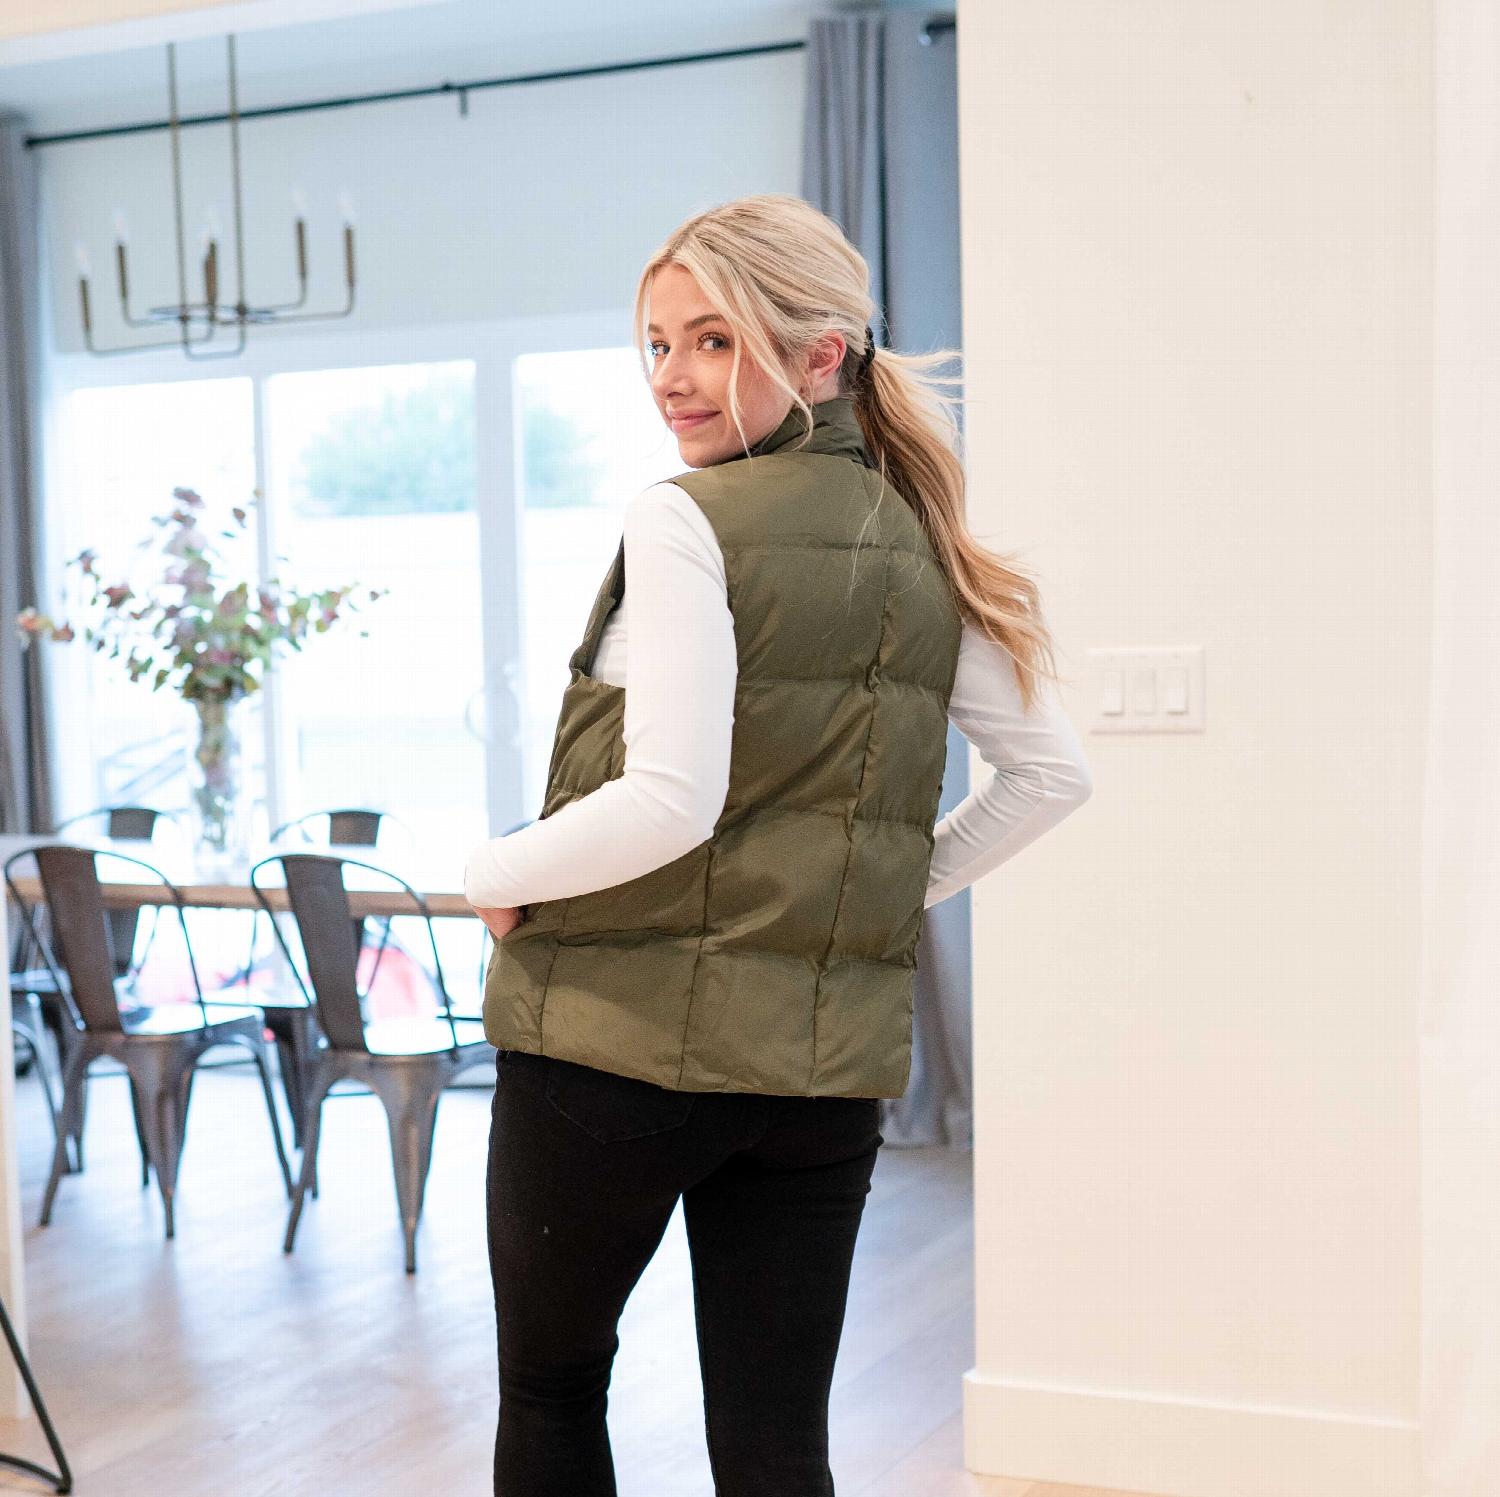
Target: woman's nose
{"type": "Point", "coordinates": [667, 374]}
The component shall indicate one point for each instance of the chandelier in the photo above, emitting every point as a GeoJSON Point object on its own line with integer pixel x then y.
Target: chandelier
{"type": "Point", "coordinates": [199, 322]}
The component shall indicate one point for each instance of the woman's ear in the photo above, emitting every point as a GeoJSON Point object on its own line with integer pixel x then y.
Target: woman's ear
{"type": "Point", "coordinates": [826, 355]}
{"type": "Point", "coordinates": [820, 365]}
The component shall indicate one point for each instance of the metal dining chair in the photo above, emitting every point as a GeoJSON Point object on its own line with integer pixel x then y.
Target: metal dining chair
{"type": "Point", "coordinates": [128, 823]}
{"type": "Point", "coordinates": [159, 1046]}
{"type": "Point", "coordinates": [39, 993]}
{"type": "Point", "coordinates": [405, 1062]}
{"type": "Point", "coordinates": [288, 1015]}
{"type": "Point", "coordinates": [351, 827]}
{"type": "Point", "coordinates": [28, 975]}
{"type": "Point", "coordinates": [27, 1025]}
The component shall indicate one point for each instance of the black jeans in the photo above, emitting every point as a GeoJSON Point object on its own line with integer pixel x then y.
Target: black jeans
{"type": "Point", "coordinates": [585, 1170]}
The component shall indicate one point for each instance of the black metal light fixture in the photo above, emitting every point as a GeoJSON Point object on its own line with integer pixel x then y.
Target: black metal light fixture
{"type": "Point", "coordinates": [199, 322]}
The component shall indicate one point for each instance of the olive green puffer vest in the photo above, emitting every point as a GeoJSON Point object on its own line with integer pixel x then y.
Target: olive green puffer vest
{"type": "Point", "coordinates": [778, 955]}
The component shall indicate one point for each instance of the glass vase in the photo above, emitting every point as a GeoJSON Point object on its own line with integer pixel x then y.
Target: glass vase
{"type": "Point", "coordinates": [220, 813]}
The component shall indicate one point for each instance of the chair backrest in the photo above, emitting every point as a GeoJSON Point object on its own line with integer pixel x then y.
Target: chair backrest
{"type": "Point", "coordinates": [30, 930]}
{"type": "Point", "coordinates": [131, 823]}
{"type": "Point", "coordinates": [319, 900]}
{"type": "Point", "coordinates": [78, 944]}
{"type": "Point", "coordinates": [75, 910]}
{"type": "Point", "coordinates": [325, 926]}
{"type": "Point", "coordinates": [354, 827]}
{"type": "Point", "coordinates": [351, 827]}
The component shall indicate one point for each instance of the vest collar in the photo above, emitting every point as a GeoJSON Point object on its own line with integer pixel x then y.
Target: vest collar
{"type": "Point", "coordinates": [835, 432]}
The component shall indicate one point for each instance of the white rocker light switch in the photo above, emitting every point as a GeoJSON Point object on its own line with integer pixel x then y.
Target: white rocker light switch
{"type": "Point", "coordinates": [1147, 690]}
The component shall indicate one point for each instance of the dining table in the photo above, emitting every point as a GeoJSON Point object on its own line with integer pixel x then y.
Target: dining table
{"type": "Point", "coordinates": [201, 882]}
{"type": "Point", "coordinates": [224, 883]}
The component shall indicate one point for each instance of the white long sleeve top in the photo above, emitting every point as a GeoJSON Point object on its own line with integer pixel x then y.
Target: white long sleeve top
{"type": "Point", "coordinates": [670, 644]}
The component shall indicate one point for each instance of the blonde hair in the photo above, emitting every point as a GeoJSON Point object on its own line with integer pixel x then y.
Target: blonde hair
{"type": "Point", "coordinates": [783, 275]}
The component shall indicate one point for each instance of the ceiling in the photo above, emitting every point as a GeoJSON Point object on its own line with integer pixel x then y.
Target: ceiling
{"type": "Point", "coordinates": [410, 46]}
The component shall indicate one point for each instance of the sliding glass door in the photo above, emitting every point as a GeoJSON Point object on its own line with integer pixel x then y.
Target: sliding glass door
{"type": "Point", "coordinates": [589, 438]}
{"type": "Point", "coordinates": [119, 451]}
{"type": "Point", "coordinates": [478, 476]}
{"type": "Point", "coordinates": [373, 470]}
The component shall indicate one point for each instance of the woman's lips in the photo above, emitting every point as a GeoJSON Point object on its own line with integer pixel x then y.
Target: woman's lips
{"type": "Point", "coordinates": [685, 423]}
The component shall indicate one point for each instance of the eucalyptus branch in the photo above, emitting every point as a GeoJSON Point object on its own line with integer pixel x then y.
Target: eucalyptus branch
{"type": "Point", "coordinates": [192, 629]}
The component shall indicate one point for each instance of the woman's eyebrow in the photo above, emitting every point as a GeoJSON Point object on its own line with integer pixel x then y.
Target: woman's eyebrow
{"type": "Point", "coordinates": [692, 322]}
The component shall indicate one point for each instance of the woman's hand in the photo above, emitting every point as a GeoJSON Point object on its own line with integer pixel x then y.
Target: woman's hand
{"type": "Point", "coordinates": [499, 922]}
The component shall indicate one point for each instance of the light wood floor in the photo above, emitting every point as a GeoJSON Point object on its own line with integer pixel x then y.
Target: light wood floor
{"type": "Point", "coordinates": [215, 1365]}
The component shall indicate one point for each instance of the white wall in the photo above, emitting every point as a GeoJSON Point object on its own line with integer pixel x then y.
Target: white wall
{"type": "Point", "coordinates": [1460, 1040]}
{"type": "Point", "coordinates": [1197, 310]}
{"type": "Point", "coordinates": [547, 198]}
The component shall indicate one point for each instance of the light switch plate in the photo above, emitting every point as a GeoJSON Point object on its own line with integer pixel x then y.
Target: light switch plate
{"type": "Point", "coordinates": [1146, 690]}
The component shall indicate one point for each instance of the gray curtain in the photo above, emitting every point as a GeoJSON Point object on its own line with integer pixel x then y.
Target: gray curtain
{"type": "Point", "coordinates": [25, 798]}
{"type": "Point", "coordinates": [880, 157]}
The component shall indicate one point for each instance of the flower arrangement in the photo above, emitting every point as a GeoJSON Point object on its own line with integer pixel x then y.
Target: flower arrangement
{"type": "Point", "coordinates": [191, 629]}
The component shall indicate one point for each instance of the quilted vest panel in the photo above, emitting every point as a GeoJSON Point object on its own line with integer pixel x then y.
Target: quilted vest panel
{"type": "Point", "coordinates": [778, 955]}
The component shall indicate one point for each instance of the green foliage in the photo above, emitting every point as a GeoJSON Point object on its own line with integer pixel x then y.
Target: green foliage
{"type": "Point", "coordinates": [192, 629]}
{"type": "Point", "coordinates": [413, 453]}
{"type": "Point", "coordinates": [560, 471]}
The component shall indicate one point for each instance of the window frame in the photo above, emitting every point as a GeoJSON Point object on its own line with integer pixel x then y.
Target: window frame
{"type": "Point", "coordinates": [493, 348]}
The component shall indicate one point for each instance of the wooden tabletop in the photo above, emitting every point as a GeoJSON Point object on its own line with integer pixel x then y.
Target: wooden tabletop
{"type": "Point", "coordinates": [438, 881]}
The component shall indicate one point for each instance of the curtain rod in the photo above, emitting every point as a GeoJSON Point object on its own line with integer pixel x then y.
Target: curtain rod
{"type": "Point", "coordinates": [933, 28]}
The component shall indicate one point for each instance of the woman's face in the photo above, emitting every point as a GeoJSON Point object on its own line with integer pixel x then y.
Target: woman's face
{"type": "Point", "coordinates": [691, 351]}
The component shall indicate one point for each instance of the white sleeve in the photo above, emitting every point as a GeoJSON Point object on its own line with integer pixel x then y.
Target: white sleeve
{"type": "Point", "coordinates": [680, 672]}
{"type": "Point", "coordinates": [1039, 773]}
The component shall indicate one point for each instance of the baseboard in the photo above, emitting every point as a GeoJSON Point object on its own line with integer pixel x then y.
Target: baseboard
{"type": "Point", "coordinates": [1178, 1447]}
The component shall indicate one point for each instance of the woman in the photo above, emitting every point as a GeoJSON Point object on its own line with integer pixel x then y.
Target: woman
{"type": "Point", "coordinates": [711, 985]}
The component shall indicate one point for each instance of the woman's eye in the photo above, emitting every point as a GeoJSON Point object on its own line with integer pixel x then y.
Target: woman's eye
{"type": "Point", "coordinates": [651, 348]}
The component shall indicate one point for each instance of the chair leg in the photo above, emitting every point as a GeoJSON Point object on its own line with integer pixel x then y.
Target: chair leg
{"type": "Point", "coordinates": [140, 1133]}
{"type": "Point", "coordinates": [54, 1067]}
{"type": "Point", "coordinates": [67, 1042]}
{"type": "Point", "coordinates": [312, 1125]}
{"type": "Point", "coordinates": [291, 1080]}
{"type": "Point", "coordinates": [163, 1083]}
{"type": "Point", "coordinates": [259, 1049]}
{"type": "Point", "coordinates": [302, 1044]}
{"type": "Point", "coordinates": [32, 1034]}
{"type": "Point", "coordinates": [44, 1079]}
{"type": "Point", "coordinates": [73, 1073]}
{"type": "Point", "coordinates": [79, 1116]}
{"type": "Point", "coordinates": [45, 1022]}
{"type": "Point", "coordinates": [410, 1095]}
{"type": "Point", "coordinates": [171, 1117]}
{"type": "Point", "coordinates": [184, 1099]}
